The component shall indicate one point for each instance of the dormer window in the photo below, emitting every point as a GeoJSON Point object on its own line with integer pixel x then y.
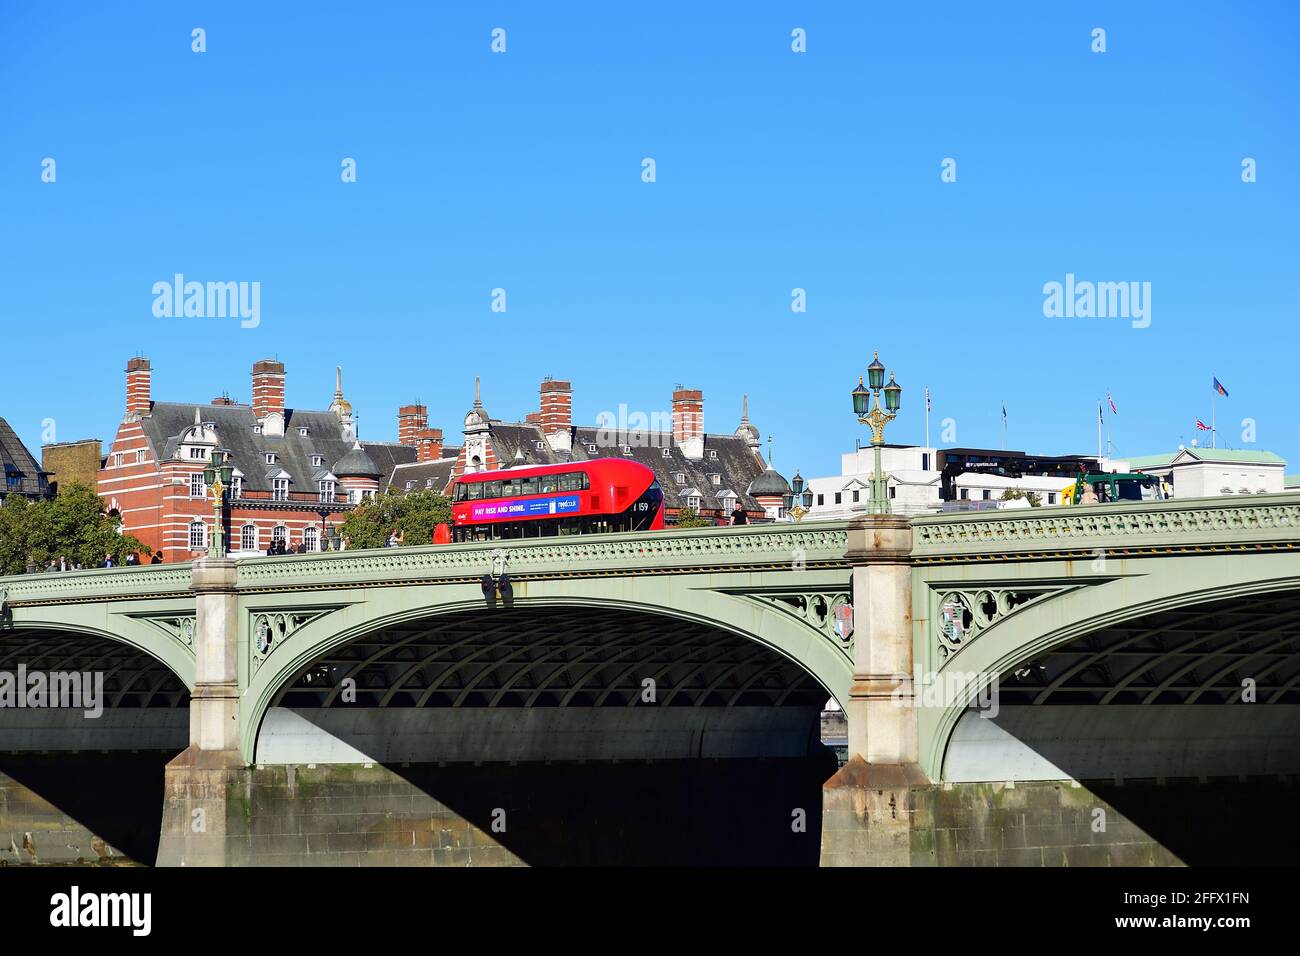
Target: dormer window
{"type": "Point", "coordinates": [627, 450]}
{"type": "Point", "coordinates": [280, 489]}
{"type": "Point", "coordinates": [237, 487]}
{"type": "Point", "coordinates": [668, 453]}
{"type": "Point", "coordinates": [591, 449]}
{"type": "Point", "coordinates": [257, 429]}
{"type": "Point", "coordinates": [713, 454]}
{"type": "Point", "coordinates": [680, 478]}
{"type": "Point", "coordinates": [693, 503]}
{"type": "Point", "coordinates": [327, 491]}
{"type": "Point", "coordinates": [198, 453]}
{"type": "Point", "coordinates": [270, 458]}
{"type": "Point", "coordinates": [716, 479]}
{"type": "Point", "coordinates": [317, 461]}
{"type": "Point", "coordinates": [538, 445]}
{"type": "Point", "coordinates": [303, 431]}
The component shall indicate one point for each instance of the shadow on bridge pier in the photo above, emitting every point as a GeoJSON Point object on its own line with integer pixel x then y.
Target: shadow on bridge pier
{"type": "Point", "coordinates": [681, 812]}
{"type": "Point", "coordinates": [92, 808]}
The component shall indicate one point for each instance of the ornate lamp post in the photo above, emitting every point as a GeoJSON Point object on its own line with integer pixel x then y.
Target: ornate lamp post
{"type": "Point", "coordinates": [799, 501]}
{"type": "Point", "coordinates": [877, 419]}
{"type": "Point", "coordinates": [217, 477]}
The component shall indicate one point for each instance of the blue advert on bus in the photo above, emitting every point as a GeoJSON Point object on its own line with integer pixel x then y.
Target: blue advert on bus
{"type": "Point", "coordinates": [527, 507]}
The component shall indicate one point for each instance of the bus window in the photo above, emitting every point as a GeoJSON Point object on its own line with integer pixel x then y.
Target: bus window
{"type": "Point", "coordinates": [570, 482]}
{"type": "Point", "coordinates": [528, 486]}
{"type": "Point", "coordinates": [509, 488]}
{"type": "Point", "coordinates": [493, 489]}
{"type": "Point", "coordinates": [548, 484]}
{"type": "Point", "coordinates": [474, 491]}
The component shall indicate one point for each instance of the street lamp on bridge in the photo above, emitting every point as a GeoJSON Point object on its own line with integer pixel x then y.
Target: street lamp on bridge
{"type": "Point", "coordinates": [798, 500]}
{"type": "Point", "coordinates": [217, 477]}
{"type": "Point", "coordinates": [877, 419]}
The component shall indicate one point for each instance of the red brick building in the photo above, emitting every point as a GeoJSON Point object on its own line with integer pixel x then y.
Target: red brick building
{"type": "Point", "coordinates": [290, 466]}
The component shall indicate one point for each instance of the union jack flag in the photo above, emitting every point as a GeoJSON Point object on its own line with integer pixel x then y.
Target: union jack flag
{"type": "Point", "coordinates": [1202, 426]}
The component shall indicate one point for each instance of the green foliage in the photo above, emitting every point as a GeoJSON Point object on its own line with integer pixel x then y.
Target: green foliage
{"type": "Point", "coordinates": [689, 519]}
{"type": "Point", "coordinates": [415, 515]}
{"type": "Point", "coordinates": [1011, 494]}
{"type": "Point", "coordinates": [71, 526]}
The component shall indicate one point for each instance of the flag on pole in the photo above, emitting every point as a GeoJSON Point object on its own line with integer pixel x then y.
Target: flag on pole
{"type": "Point", "coordinates": [1004, 413]}
{"type": "Point", "coordinates": [1202, 426]}
{"type": "Point", "coordinates": [1100, 418]}
{"type": "Point", "coordinates": [927, 398]}
{"type": "Point", "coordinates": [1218, 387]}
{"type": "Point", "coordinates": [1111, 402]}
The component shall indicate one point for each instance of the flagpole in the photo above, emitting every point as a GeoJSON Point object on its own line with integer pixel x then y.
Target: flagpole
{"type": "Point", "coordinates": [927, 420]}
{"type": "Point", "coordinates": [1099, 434]}
{"type": "Point", "coordinates": [1214, 424]}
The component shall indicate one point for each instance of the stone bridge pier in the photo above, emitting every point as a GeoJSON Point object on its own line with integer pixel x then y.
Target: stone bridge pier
{"type": "Point", "coordinates": [208, 780]}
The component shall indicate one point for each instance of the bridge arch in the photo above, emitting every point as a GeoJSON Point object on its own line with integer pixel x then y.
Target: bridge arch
{"type": "Point", "coordinates": [1150, 594]}
{"type": "Point", "coordinates": [674, 602]}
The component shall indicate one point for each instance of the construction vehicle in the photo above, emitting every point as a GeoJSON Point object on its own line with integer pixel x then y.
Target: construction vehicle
{"type": "Point", "coordinates": [1113, 487]}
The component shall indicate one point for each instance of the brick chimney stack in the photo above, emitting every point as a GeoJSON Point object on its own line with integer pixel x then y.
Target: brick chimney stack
{"type": "Point", "coordinates": [556, 416]}
{"type": "Point", "coordinates": [688, 421]}
{"type": "Point", "coordinates": [138, 378]}
{"type": "Point", "coordinates": [268, 388]}
{"type": "Point", "coordinates": [411, 420]}
{"type": "Point", "coordinates": [428, 444]}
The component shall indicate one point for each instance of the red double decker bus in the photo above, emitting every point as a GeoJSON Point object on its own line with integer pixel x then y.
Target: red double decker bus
{"type": "Point", "coordinates": [604, 494]}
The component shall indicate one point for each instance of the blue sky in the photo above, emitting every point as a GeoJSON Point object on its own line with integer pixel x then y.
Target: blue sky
{"type": "Point", "coordinates": [775, 171]}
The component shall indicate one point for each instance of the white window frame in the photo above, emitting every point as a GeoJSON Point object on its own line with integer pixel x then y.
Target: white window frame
{"type": "Point", "coordinates": [198, 488]}
{"type": "Point", "coordinates": [311, 538]}
{"type": "Point", "coordinates": [198, 535]}
{"type": "Point", "coordinates": [244, 544]}
{"type": "Point", "coordinates": [279, 489]}
{"type": "Point", "coordinates": [281, 534]}
{"type": "Point", "coordinates": [237, 486]}
{"type": "Point", "coordinates": [327, 490]}
{"type": "Point", "coordinates": [270, 458]}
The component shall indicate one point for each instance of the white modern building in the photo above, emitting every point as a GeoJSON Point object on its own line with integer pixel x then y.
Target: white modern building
{"type": "Point", "coordinates": [914, 480]}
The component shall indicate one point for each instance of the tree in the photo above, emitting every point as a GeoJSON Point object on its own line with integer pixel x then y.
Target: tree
{"type": "Point", "coordinates": [689, 519]}
{"type": "Point", "coordinates": [1011, 494]}
{"type": "Point", "coordinates": [415, 515]}
{"type": "Point", "coordinates": [71, 526]}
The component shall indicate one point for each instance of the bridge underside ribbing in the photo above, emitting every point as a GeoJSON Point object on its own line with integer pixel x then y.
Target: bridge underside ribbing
{"type": "Point", "coordinates": [1208, 690]}
{"type": "Point", "coordinates": [544, 684]}
{"type": "Point", "coordinates": [1199, 654]}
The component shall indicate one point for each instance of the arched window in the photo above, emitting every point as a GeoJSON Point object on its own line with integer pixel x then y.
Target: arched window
{"type": "Point", "coordinates": [310, 538]}
{"type": "Point", "coordinates": [279, 534]}
{"type": "Point", "coordinates": [248, 538]}
{"type": "Point", "coordinates": [196, 535]}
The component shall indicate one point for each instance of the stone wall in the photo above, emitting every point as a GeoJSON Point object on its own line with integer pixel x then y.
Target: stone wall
{"type": "Point", "coordinates": [80, 808]}
{"type": "Point", "coordinates": [874, 817]}
{"type": "Point", "coordinates": [689, 812]}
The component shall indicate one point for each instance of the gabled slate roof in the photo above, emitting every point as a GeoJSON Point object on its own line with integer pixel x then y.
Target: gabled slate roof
{"type": "Point", "coordinates": [167, 421]}
{"type": "Point", "coordinates": [19, 472]}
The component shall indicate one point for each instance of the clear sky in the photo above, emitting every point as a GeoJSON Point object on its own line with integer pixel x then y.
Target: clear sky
{"type": "Point", "coordinates": [775, 170]}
